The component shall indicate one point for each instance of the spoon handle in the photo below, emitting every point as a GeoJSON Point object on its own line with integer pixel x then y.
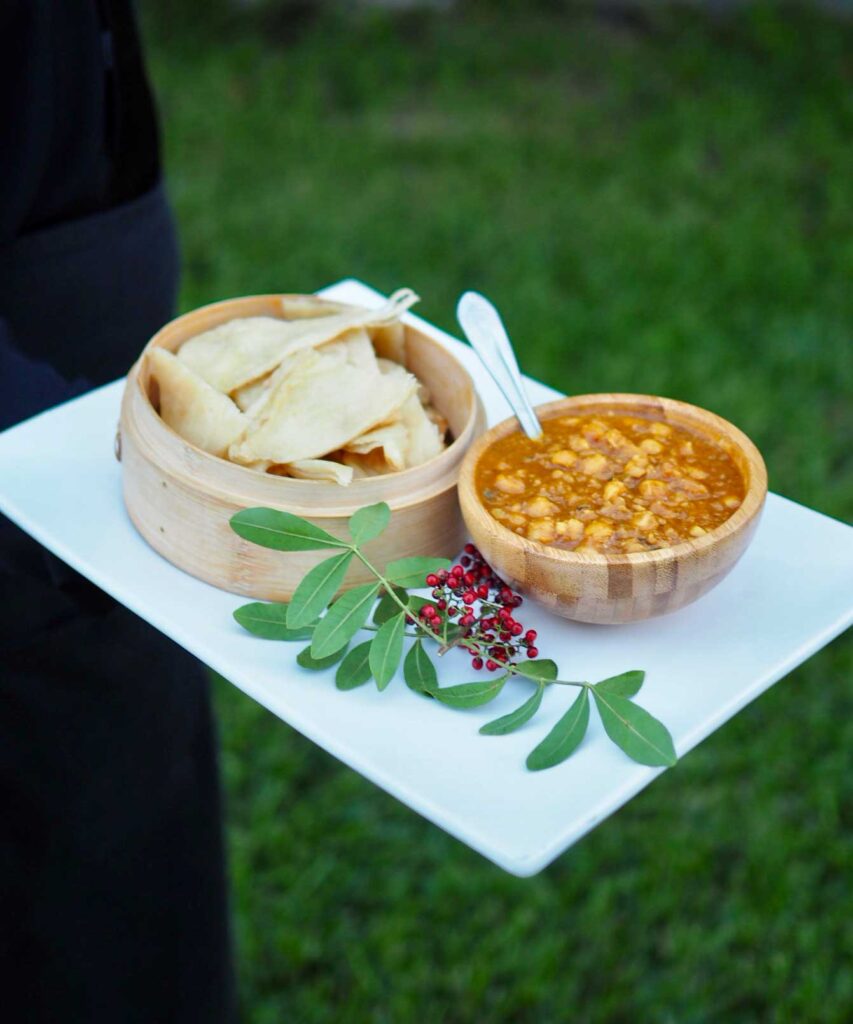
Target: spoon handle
{"type": "Point", "coordinates": [484, 328]}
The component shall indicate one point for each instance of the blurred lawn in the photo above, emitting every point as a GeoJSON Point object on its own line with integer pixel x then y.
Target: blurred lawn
{"type": "Point", "coordinates": [659, 204]}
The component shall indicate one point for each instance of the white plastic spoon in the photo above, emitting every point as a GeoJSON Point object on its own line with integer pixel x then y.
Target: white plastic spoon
{"type": "Point", "coordinates": [484, 328]}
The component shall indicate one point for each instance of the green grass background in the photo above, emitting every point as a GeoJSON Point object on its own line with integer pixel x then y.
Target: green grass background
{"type": "Point", "coordinates": [659, 202]}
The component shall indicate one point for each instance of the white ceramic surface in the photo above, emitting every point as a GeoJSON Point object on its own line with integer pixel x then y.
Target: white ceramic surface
{"type": "Point", "coordinates": [789, 596]}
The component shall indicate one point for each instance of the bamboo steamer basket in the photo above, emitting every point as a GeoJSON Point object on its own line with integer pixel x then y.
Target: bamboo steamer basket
{"type": "Point", "coordinates": [589, 586]}
{"type": "Point", "coordinates": [181, 498]}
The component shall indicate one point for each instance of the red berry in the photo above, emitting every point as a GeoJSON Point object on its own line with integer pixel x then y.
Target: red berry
{"type": "Point", "coordinates": [432, 580]}
{"type": "Point", "coordinates": [517, 601]}
{"type": "Point", "coordinates": [442, 575]}
{"type": "Point", "coordinates": [469, 597]}
{"type": "Point", "coordinates": [477, 663]}
{"type": "Point", "coordinates": [516, 629]}
{"type": "Point", "coordinates": [491, 665]}
{"type": "Point", "coordinates": [470, 549]}
{"type": "Point", "coordinates": [482, 591]}
{"type": "Point", "coordinates": [452, 612]}
{"type": "Point", "coordinates": [530, 635]}
{"type": "Point", "coordinates": [457, 571]}
{"type": "Point", "coordinates": [532, 652]}
{"type": "Point", "coordinates": [442, 604]}
{"type": "Point", "coordinates": [505, 636]}
{"type": "Point", "coordinates": [465, 560]}
{"type": "Point", "coordinates": [467, 619]}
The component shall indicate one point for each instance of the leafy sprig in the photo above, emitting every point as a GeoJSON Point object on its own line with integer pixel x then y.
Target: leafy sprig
{"type": "Point", "coordinates": [331, 624]}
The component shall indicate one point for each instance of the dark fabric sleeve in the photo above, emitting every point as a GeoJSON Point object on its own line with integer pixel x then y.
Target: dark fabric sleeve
{"type": "Point", "coordinates": [28, 386]}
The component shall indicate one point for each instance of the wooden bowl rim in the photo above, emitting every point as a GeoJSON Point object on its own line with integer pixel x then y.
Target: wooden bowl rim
{"type": "Point", "coordinates": [449, 456]}
{"type": "Point", "coordinates": [756, 490]}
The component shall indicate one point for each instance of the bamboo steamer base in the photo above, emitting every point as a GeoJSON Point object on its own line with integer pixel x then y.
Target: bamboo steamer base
{"type": "Point", "coordinates": [181, 499]}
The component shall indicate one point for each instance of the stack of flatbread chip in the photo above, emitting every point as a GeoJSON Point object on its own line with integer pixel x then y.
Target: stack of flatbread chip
{"type": "Point", "coordinates": [318, 394]}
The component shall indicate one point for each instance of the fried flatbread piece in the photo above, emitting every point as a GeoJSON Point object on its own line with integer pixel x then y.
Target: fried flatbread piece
{"type": "Point", "coordinates": [192, 408]}
{"type": "Point", "coordinates": [322, 402]}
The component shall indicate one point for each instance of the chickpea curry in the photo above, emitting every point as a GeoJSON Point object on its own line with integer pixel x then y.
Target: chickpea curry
{"type": "Point", "coordinates": [609, 482]}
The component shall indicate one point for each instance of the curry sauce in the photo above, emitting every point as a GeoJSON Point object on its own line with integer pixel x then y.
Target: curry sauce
{"type": "Point", "coordinates": [609, 482]}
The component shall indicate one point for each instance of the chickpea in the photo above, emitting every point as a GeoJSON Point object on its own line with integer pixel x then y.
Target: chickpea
{"type": "Point", "coordinates": [615, 439]}
{"type": "Point", "coordinates": [652, 488]}
{"type": "Point", "coordinates": [540, 506]}
{"type": "Point", "coordinates": [730, 501]}
{"type": "Point", "coordinates": [598, 530]}
{"type": "Point", "coordinates": [696, 473]}
{"type": "Point", "coordinates": [509, 484]}
{"type": "Point", "coordinates": [651, 446]}
{"type": "Point", "coordinates": [660, 429]}
{"type": "Point", "coordinates": [564, 457]}
{"type": "Point", "coordinates": [578, 443]}
{"type": "Point", "coordinates": [637, 466]}
{"type": "Point", "coordinates": [570, 529]}
{"type": "Point", "coordinates": [697, 531]}
{"type": "Point", "coordinates": [613, 489]}
{"type": "Point", "coordinates": [645, 521]}
{"type": "Point", "coordinates": [542, 530]}
{"type": "Point", "coordinates": [592, 465]}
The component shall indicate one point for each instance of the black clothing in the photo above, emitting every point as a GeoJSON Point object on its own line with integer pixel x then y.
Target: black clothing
{"type": "Point", "coordinates": [112, 902]}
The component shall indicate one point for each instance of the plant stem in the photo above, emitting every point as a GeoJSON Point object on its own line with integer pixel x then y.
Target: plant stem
{"type": "Point", "coordinates": [389, 589]}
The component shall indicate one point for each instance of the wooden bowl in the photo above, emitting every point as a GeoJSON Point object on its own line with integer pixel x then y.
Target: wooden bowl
{"type": "Point", "coordinates": [594, 587]}
{"type": "Point", "coordinates": [181, 498]}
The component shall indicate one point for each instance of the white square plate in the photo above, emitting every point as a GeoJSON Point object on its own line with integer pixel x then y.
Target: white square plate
{"type": "Point", "coordinates": [789, 596]}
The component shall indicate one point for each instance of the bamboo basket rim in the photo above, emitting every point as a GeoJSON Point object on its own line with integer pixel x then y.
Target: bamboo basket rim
{"type": "Point", "coordinates": [701, 419]}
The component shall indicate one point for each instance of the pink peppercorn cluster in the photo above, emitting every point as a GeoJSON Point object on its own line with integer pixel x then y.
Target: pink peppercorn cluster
{"type": "Point", "coordinates": [491, 634]}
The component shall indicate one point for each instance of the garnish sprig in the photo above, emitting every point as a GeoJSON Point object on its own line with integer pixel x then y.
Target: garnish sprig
{"type": "Point", "coordinates": [471, 609]}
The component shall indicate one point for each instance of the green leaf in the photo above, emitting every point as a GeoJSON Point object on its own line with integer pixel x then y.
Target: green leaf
{"type": "Point", "coordinates": [282, 531]}
{"type": "Point", "coordinates": [412, 572]}
{"type": "Point", "coordinates": [418, 669]}
{"type": "Point", "coordinates": [632, 728]}
{"type": "Point", "coordinates": [564, 738]}
{"type": "Point", "coordinates": [307, 660]}
{"type": "Point", "coordinates": [354, 670]}
{"type": "Point", "coordinates": [388, 606]}
{"type": "Point", "coordinates": [317, 588]}
{"type": "Point", "coordinates": [343, 620]}
{"type": "Point", "coordinates": [369, 522]}
{"type": "Point", "coordinates": [624, 685]}
{"type": "Point", "coordinates": [542, 668]}
{"type": "Point", "coordinates": [515, 719]}
{"type": "Point", "coordinates": [270, 622]}
{"type": "Point", "coordinates": [470, 695]}
{"type": "Point", "coordinates": [387, 649]}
